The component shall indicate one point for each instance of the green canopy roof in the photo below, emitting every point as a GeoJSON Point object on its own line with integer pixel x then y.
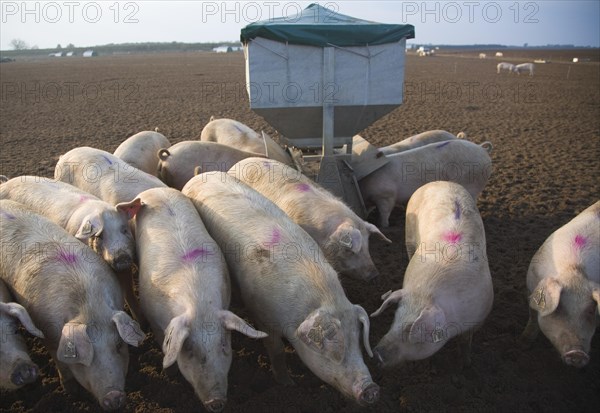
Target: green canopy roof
{"type": "Point", "coordinates": [319, 26]}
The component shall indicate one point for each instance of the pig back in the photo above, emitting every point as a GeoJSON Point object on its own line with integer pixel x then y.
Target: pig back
{"type": "Point", "coordinates": [274, 261]}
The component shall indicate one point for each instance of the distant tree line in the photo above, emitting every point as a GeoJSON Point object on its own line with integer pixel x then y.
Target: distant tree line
{"type": "Point", "coordinates": [20, 48]}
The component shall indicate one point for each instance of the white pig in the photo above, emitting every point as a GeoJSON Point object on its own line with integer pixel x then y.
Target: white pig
{"type": "Point", "coordinates": [343, 235]}
{"type": "Point", "coordinates": [286, 284]}
{"type": "Point", "coordinates": [421, 139]}
{"type": "Point", "coordinates": [93, 221]}
{"type": "Point", "coordinates": [104, 175]}
{"type": "Point", "coordinates": [184, 292]}
{"type": "Point", "coordinates": [180, 162]}
{"type": "Point", "coordinates": [564, 285]}
{"type": "Point", "coordinates": [447, 288]}
{"type": "Point", "coordinates": [237, 135]}
{"type": "Point", "coordinates": [455, 160]}
{"type": "Point", "coordinates": [74, 298]}
{"type": "Point", "coordinates": [141, 149]}
{"type": "Point", "coordinates": [16, 367]}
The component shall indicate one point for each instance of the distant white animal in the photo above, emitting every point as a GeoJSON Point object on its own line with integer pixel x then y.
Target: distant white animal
{"type": "Point", "coordinates": [508, 66]}
{"type": "Point", "coordinates": [482, 55]}
{"type": "Point", "coordinates": [499, 54]}
{"type": "Point", "coordinates": [523, 67]}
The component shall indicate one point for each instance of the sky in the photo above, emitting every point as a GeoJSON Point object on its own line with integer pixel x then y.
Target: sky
{"type": "Point", "coordinates": [88, 23]}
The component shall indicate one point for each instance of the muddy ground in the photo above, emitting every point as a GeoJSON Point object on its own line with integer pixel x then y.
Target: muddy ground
{"type": "Point", "coordinates": [546, 135]}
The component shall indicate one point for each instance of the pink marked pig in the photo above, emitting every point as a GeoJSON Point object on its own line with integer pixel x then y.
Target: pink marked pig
{"type": "Point", "coordinates": [288, 287]}
{"type": "Point", "coordinates": [95, 222]}
{"type": "Point", "coordinates": [73, 297]}
{"type": "Point", "coordinates": [343, 235]}
{"type": "Point", "coordinates": [447, 288]}
{"type": "Point", "coordinates": [563, 280]}
{"type": "Point", "coordinates": [185, 291]}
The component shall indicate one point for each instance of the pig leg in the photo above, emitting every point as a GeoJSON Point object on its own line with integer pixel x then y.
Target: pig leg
{"type": "Point", "coordinates": [276, 351]}
{"type": "Point", "coordinates": [464, 347]}
{"type": "Point", "coordinates": [532, 328]}
{"type": "Point", "coordinates": [67, 380]}
{"type": "Point", "coordinates": [126, 283]}
{"type": "Point", "coordinates": [385, 204]}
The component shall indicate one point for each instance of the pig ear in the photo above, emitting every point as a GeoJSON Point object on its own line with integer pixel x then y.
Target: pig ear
{"type": "Point", "coordinates": [323, 333]}
{"type": "Point", "coordinates": [92, 225]}
{"type": "Point", "coordinates": [596, 297]}
{"type": "Point", "coordinates": [75, 345]}
{"type": "Point", "coordinates": [175, 334]}
{"type": "Point", "coordinates": [197, 170]}
{"type": "Point", "coordinates": [363, 317]}
{"type": "Point", "coordinates": [128, 329]}
{"type": "Point", "coordinates": [374, 230]}
{"type": "Point", "coordinates": [348, 237]}
{"type": "Point", "coordinates": [389, 298]}
{"type": "Point", "coordinates": [546, 296]}
{"type": "Point", "coordinates": [429, 326]}
{"type": "Point", "coordinates": [20, 313]}
{"type": "Point", "coordinates": [232, 322]}
{"type": "Point", "coordinates": [130, 208]}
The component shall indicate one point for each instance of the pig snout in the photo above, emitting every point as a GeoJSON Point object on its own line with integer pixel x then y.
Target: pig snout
{"type": "Point", "coordinates": [24, 373]}
{"type": "Point", "coordinates": [122, 262]}
{"type": "Point", "coordinates": [113, 400]}
{"type": "Point", "coordinates": [576, 358]}
{"type": "Point", "coordinates": [369, 395]}
{"type": "Point", "coordinates": [215, 405]}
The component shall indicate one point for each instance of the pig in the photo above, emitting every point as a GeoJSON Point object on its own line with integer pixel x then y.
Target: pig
{"type": "Point", "coordinates": [457, 160]}
{"type": "Point", "coordinates": [180, 162]}
{"type": "Point", "coordinates": [74, 297]}
{"type": "Point", "coordinates": [141, 149]}
{"type": "Point", "coordinates": [103, 175]}
{"type": "Point", "coordinates": [95, 222]}
{"type": "Point", "coordinates": [237, 135]}
{"type": "Point", "coordinates": [342, 235]}
{"type": "Point", "coordinates": [184, 289]}
{"type": "Point", "coordinates": [447, 288]}
{"type": "Point", "coordinates": [287, 285]}
{"type": "Point", "coordinates": [422, 139]}
{"type": "Point", "coordinates": [563, 281]}
{"type": "Point", "coordinates": [16, 367]}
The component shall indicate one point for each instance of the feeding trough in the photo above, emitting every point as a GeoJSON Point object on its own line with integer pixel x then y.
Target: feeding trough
{"type": "Point", "coordinates": [320, 77]}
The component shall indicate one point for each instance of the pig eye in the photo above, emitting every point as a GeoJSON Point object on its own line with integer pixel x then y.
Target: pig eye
{"type": "Point", "coordinates": [124, 230]}
{"type": "Point", "coordinates": [590, 310]}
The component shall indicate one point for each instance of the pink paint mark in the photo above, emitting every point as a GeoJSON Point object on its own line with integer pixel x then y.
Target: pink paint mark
{"type": "Point", "coordinates": [195, 253]}
{"type": "Point", "coordinates": [452, 237]}
{"type": "Point", "coordinates": [84, 198]}
{"type": "Point", "coordinates": [303, 187]}
{"type": "Point", "coordinates": [275, 238]}
{"type": "Point", "coordinates": [67, 257]}
{"type": "Point", "coordinates": [579, 241]}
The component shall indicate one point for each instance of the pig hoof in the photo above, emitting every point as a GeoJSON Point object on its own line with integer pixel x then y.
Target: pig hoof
{"type": "Point", "coordinates": [215, 405]}
{"type": "Point", "coordinates": [369, 396]}
{"type": "Point", "coordinates": [576, 358]}
{"type": "Point", "coordinates": [113, 400]}
{"type": "Point", "coordinates": [24, 374]}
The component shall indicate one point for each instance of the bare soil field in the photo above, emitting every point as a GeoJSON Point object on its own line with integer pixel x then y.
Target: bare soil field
{"type": "Point", "coordinates": [546, 135]}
